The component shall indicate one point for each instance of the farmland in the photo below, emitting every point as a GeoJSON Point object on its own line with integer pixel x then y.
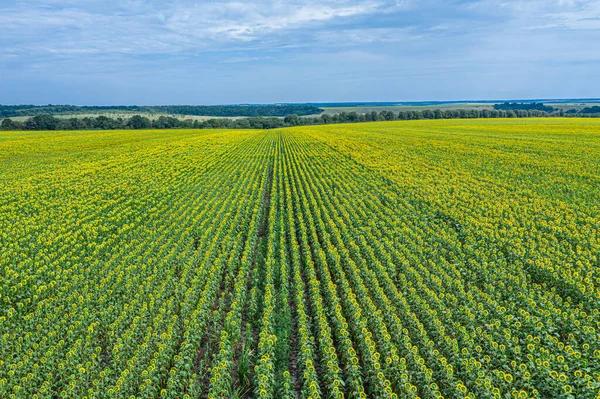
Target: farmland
{"type": "Point", "coordinates": [337, 108]}
{"type": "Point", "coordinates": [408, 259]}
{"type": "Point", "coordinates": [124, 115]}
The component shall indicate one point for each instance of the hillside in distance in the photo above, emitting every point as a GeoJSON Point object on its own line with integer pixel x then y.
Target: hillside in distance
{"type": "Point", "coordinates": [268, 110]}
{"type": "Point", "coordinates": [7, 111]}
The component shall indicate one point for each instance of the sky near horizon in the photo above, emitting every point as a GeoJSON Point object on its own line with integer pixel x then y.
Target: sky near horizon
{"type": "Point", "coordinates": [151, 52]}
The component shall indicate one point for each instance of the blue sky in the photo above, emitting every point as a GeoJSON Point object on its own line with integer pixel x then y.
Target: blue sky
{"type": "Point", "coordinates": [107, 52]}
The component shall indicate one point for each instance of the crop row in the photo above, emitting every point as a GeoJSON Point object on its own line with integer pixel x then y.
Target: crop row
{"type": "Point", "coordinates": [442, 261]}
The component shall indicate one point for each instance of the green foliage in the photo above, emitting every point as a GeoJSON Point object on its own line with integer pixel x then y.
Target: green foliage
{"type": "Point", "coordinates": [138, 122]}
{"type": "Point", "coordinates": [197, 110]}
{"type": "Point", "coordinates": [9, 124]}
{"type": "Point", "coordinates": [523, 107]}
{"type": "Point", "coordinates": [48, 122]}
{"type": "Point", "coordinates": [591, 110]}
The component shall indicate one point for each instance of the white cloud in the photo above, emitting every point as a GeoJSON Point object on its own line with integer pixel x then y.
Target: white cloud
{"type": "Point", "coordinates": [586, 16]}
{"type": "Point", "coordinates": [349, 37]}
{"type": "Point", "coordinates": [255, 46]}
{"type": "Point", "coordinates": [68, 27]}
{"type": "Point", "coordinates": [546, 14]}
{"type": "Point", "coordinates": [240, 60]}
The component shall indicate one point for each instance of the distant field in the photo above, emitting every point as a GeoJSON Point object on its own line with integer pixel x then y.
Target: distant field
{"type": "Point", "coordinates": [125, 115]}
{"type": "Point", "coordinates": [239, 110]}
{"type": "Point", "coordinates": [408, 259]}
{"type": "Point", "coordinates": [326, 110]}
{"type": "Point", "coordinates": [568, 106]}
{"type": "Point", "coordinates": [449, 106]}
{"type": "Point", "coordinates": [398, 108]}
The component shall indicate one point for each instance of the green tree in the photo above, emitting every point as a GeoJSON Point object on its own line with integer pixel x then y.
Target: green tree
{"type": "Point", "coordinates": [8, 124]}
{"type": "Point", "coordinates": [242, 124]}
{"type": "Point", "coordinates": [166, 122]}
{"type": "Point", "coordinates": [292, 120]}
{"type": "Point", "coordinates": [138, 122]}
{"type": "Point", "coordinates": [326, 118]}
{"type": "Point", "coordinates": [42, 122]}
{"type": "Point", "coordinates": [103, 123]}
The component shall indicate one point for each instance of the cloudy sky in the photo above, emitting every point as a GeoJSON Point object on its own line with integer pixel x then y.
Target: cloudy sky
{"type": "Point", "coordinates": [106, 52]}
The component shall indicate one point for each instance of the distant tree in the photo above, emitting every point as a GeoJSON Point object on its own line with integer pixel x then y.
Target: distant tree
{"type": "Point", "coordinates": [75, 124]}
{"type": "Point", "coordinates": [591, 110]}
{"type": "Point", "coordinates": [386, 116]}
{"type": "Point", "coordinates": [87, 122]}
{"type": "Point", "coordinates": [189, 123]}
{"type": "Point", "coordinates": [212, 110]}
{"type": "Point", "coordinates": [243, 123]}
{"type": "Point", "coordinates": [292, 120]}
{"type": "Point", "coordinates": [42, 122]}
{"type": "Point", "coordinates": [8, 124]}
{"type": "Point", "coordinates": [214, 123]}
{"type": "Point", "coordinates": [326, 118]}
{"type": "Point", "coordinates": [352, 116]}
{"type": "Point", "coordinates": [272, 123]}
{"type": "Point", "coordinates": [30, 124]}
{"type": "Point", "coordinates": [159, 123]}
{"type": "Point", "coordinates": [138, 122]}
{"type": "Point", "coordinates": [167, 122]}
{"type": "Point", "coordinates": [428, 114]}
{"type": "Point", "coordinates": [104, 123]}
{"type": "Point", "coordinates": [524, 107]}
{"type": "Point", "coordinates": [63, 124]}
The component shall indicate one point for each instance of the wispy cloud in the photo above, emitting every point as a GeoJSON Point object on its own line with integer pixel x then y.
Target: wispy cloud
{"type": "Point", "coordinates": [142, 27]}
{"type": "Point", "coordinates": [360, 36]}
{"type": "Point", "coordinates": [294, 50]}
{"type": "Point", "coordinates": [545, 14]}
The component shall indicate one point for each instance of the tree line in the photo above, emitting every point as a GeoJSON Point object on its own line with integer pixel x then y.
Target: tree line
{"type": "Point", "coordinates": [50, 122]}
{"type": "Point", "coordinates": [591, 110]}
{"type": "Point", "coordinates": [523, 107]}
{"type": "Point", "coordinates": [7, 111]}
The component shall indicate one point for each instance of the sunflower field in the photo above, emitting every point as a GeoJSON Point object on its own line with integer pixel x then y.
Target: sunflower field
{"type": "Point", "coordinates": [409, 259]}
